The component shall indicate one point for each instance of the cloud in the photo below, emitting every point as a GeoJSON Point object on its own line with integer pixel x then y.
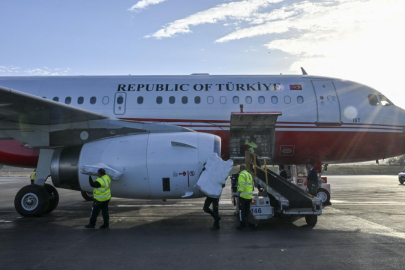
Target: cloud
{"type": "Point", "coordinates": [45, 71]}
{"type": "Point", "coordinates": [242, 10]}
{"type": "Point", "coordinates": [144, 3]}
{"type": "Point", "coordinates": [9, 70]}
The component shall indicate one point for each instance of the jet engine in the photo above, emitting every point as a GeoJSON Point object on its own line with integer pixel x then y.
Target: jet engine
{"type": "Point", "coordinates": [154, 165]}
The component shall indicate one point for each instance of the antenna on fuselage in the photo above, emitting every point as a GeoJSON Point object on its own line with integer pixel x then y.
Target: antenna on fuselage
{"type": "Point", "coordinates": [303, 71]}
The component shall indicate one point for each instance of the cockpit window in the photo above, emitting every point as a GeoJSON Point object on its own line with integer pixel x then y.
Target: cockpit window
{"type": "Point", "coordinates": [373, 100]}
{"type": "Point", "coordinates": [385, 101]}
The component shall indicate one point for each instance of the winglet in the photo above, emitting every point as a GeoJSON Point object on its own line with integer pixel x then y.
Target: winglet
{"type": "Point", "coordinates": [303, 71]}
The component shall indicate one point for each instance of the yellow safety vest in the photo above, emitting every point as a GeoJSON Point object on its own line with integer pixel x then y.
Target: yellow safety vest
{"type": "Point", "coordinates": [251, 145]}
{"type": "Point", "coordinates": [32, 176]}
{"type": "Point", "coordinates": [245, 185]}
{"type": "Point", "coordinates": [103, 193]}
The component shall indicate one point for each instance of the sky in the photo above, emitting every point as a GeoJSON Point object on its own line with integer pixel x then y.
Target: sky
{"type": "Point", "coordinates": [360, 40]}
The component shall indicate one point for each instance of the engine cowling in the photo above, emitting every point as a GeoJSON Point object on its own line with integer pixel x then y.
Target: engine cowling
{"type": "Point", "coordinates": [155, 165]}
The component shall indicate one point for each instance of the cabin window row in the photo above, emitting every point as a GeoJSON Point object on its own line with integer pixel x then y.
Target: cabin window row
{"type": "Point", "coordinates": [80, 100]}
{"type": "Point", "coordinates": [223, 100]}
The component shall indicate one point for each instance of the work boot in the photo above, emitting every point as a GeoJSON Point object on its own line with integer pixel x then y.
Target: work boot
{"type": "Point", "coordinates": [214, 228]}
{"type": "Point", "coordinates": [104, 226]}
{"type": "Point", "coordinates": [89, 226]}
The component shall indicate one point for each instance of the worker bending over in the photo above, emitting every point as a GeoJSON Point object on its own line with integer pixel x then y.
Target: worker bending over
{"type": "Point", "coordinates": [102, 196]}
{"type": "Point", "coordinates": [245, 194]}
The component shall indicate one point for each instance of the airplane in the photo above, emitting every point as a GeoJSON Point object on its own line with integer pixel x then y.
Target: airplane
{"type": "Point", "coordinates": [160, 130]}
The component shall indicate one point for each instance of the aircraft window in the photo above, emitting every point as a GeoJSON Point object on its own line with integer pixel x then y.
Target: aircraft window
{"type": "Point", "coordinates": [80, 100]}
{"type": "Point", "coordinates": [262, 100]}
{"type": "Point", "coordinates": [120, 100]}
{"type": "Point", "coordinates": [235, 100]}
{"type": "Point", "coordinates": [140, 100]}
{"type": "Point", "coordinates": [172, 99]}
{"type": "Point", "coordinates": [385, 101]}
{"type": "Point", "coordinates": [93, 100]}
{"type": "Point", "coordinates": [274, 99]}
{"type": "Point", "coordinates": [222, 100]}
{"type": "Point", "coordinates": [68, 100]}
{"type": "Point", "coordinates": [373, 100]}
{"type": "Point", "coordinates": [159, 100]}
{"type": "Point", "coordinates": [56, 99]}
{"type": "Point", "coordinates": [197, 100]}
{"type": "Point", "coordinates": [300, 99]}
{"type": "Point", "coordinates": [210, 100]}
{"type": "Point", "coordinates": [287, 99]}
{"type": "Point", "coordinates": [248, 99]}
{"type": "Point", "coordinates": [184, 100]}
{"type": "Point", "coordinates": [106, 100]}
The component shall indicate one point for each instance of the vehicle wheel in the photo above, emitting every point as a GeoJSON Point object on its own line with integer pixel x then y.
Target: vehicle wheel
{"type": "Point", "coordinates": [311, 220]}
{"type": "Point", "coordinates": [324, 195]}
{"type": "Point", "coordinates": [88, 196]}
{"type": "Point", "coordinates": [31, 200]}
{"type": "Point", "coordinates": [401, 181]}
{"type": "Point", "coordinates": [53, 198]}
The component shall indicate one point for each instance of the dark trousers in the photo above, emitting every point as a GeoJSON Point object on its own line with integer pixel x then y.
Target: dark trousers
{"type": "Point", "coordinates": [97, 206]}
{"type": "Point", "coordinates": [313, 189]}
{"type": "Point", "coordinates": [32, 182]}
{"type": "Point", "coordinates": [244, 211]}
{"type": "Point", "coordinates": [214, 213]}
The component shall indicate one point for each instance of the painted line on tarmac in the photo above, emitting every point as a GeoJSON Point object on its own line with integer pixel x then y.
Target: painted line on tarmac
{"type": "Point", "coordinates": [155, 205]}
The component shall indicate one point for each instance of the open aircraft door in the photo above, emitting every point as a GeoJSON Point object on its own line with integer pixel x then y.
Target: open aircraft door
{"type": "Point", "coordinates": [327, 102]}
{"type": "Point", "coordinates": [258, 127]}
{"type": "Point", "coordinates": [120, 101]}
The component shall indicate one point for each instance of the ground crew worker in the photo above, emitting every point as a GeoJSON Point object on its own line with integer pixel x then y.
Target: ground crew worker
{"type": "Point", "coordinates": [245, 194]}
{"type": "Point", "coordinates": [32, 176]}
{"type": "Point", "coordinates": [251, 146]}
{"type": "Point", "coordinates": [282, 172]}
{"type": "Point", "coordinates": [102, 196]}
{"type": "Point", "coordinates": [214, 212]}
{"type": "Point", "coordinates": [312, 179]}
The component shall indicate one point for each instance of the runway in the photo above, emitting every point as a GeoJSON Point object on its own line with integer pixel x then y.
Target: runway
{"type": "Point", "coordinates": [363, 229]}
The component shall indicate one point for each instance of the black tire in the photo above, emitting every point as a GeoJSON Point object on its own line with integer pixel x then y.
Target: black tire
{"type": "Point", "coordinates": [31, 201]}
{"type": "Point", "coordinates": [311, 220]}
{"type": "Point", "coordinates": [401, 181]}
{"type": "Point", "coordinates": [324, 195]}
{"type": "Point", "coordinates": [87, 196]}
{"type": "Point", "coordinates": [53, 198]}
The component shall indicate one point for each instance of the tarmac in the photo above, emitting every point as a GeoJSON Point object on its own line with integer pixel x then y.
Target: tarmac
{"type": "Point", "coordinates": [362, 229]}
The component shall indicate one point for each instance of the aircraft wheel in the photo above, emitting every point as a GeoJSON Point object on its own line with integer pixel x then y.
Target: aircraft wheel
{"type": "Point", "coordinates": [31, 200]}
{"type": "Point", "coordinates": [53, 198]}
{"type": "Point", "coordinates": [324, 195]}
{"type": "Point", "coordinates": [401, 181]}
{"type": "Point", "coordinates": [311, 220]}
{"type": "Point", "coordinates": [88, 196]}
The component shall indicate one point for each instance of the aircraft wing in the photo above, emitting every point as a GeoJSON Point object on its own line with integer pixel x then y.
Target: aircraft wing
{"type": "Point", "coordinates": [40, 123]}
{"type": "Point", "coordinates": [24, 108]}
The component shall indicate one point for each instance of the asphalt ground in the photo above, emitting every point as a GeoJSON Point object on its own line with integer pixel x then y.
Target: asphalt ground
{"type": "Point", "coordinates": [363, 229]}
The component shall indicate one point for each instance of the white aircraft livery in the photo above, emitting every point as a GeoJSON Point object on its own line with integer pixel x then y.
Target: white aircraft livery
{"type": "Point", "coordinates": [144, 127]}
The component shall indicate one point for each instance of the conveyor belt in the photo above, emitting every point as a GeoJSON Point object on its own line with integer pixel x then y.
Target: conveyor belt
{"type": "Point", "coordinates": [297, 197]}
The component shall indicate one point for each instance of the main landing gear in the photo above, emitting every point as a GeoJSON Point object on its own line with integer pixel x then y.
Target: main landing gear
{"type": "Point", "coordinates": [88, 196]}
{"type": "Point", "coordinates": [35, 200]}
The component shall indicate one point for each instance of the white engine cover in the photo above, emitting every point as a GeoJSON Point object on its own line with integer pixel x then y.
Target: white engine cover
{"type": "Point", "coordinates": [157, 165]}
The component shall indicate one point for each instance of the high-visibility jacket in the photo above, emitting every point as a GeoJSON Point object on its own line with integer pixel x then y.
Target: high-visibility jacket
{"type": "Point", "coordinates": [103, 193]}
{"type": "Point", "coordinates": [251, 145]}
{"type": "Point", "coordinates": [245, 185]}
{"type": "Point", "coordinates": [33, 175]}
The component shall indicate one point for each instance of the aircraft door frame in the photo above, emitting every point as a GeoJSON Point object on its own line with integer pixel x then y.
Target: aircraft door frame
{"type": "Point", "coordinates": [327, 103]}
{"type": "Point", "coordinates": [120, 105]}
